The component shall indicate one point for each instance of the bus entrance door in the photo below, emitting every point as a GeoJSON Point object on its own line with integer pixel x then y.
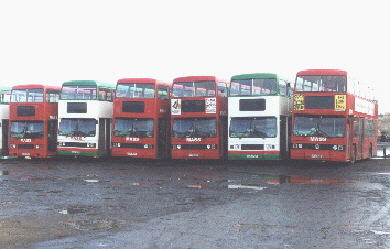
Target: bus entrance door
{"type": "Point", "coordinates": [162, 138]}
{"type": "Point", "coordinates": [52, 135]}
{"type": "Point", "coordinates": [4, 129]}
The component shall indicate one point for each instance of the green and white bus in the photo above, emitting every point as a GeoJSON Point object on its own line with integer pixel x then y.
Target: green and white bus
{"type": "Point", "coordinates": [259, 117]}
{"type": "Point", "coordinates": [84, 115]}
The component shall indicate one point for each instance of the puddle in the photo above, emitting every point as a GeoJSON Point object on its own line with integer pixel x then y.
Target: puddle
{"type": "Point", "coordinates": [91, 181]}
{"type": "Point", "coordinates": [380, 232]}
{"type": "Point", "coordinates": [4, 172]}
{"type": "Point", "coordinates": [75, 210]}
{"type": "Point", "coordinates": [197, 186]}
{"type": "Point", "coordinates": [282, 179]}
{"type": "Point", "coordinates": [146, 184]}
{"type": "Point", "coordinates": [94, 224]}
{"type": "Point", "coordinates": [252, 187]}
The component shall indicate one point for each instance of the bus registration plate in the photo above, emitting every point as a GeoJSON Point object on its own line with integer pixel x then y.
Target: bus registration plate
{"type": "Point", "coordinates": [316, 156]}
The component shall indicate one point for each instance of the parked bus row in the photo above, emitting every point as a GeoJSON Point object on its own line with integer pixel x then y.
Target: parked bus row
{"type": "Point", "coordinates": [328, 116]}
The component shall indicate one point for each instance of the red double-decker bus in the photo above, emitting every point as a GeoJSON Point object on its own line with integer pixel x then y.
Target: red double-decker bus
{"type": "Point", "coordinates": [141, 119]}
{"type": "Point", "coordinates": [199, 118]}
{"type": "Point", "coordinates": [335, 117]}
{"type": "Point", "coordinates": [33, 121]}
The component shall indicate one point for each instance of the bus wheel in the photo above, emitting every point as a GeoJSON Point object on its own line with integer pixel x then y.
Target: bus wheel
{"type": "Point", "coordinates": [353, 156]}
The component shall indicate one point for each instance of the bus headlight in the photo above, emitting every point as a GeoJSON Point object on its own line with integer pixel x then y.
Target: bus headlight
{"type": "Point", "coordinates": [270, 146]}
{"type": "Point", "coordinates": [91, 145]}
{"type": "Point", "coordinates": [234, 146]}
{"type": "Point", "coordinates": [116, 145]}
{"type": "Point", "coordinates": [297, 146]}
{"type": "Point", "coordinates": [148, 146]}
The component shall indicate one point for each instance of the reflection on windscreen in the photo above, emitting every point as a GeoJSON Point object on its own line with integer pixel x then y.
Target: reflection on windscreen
{"type": "Point", "coordinates": [248, 87]}
{"type": "Point", "coordinates": [319, 126]}
{"type": "Point", "coordinates": [135, 91]}
{"type": "Point", "coordinates": [27, 95]}
{"type": "Point", "coordinates": [27, 129]}
{"type": "Point", "coordinates": [194, 89]}
{"type": "Point", "coordinates": [78, 92]}
{"type": "Point", "coordinates": [194, 128]}
{"type": "Point", "coordinates": [77, 127]}
{"type": "Point", "coordinates": [321, 83]}
{"type": "Point", "coordinates": [140, 128]}
{"type": "Point", "coordinates": [253, 127]}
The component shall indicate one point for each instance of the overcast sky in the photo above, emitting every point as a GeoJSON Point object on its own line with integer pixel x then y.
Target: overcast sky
{"type": "Point", "coordinates": [49, 42]}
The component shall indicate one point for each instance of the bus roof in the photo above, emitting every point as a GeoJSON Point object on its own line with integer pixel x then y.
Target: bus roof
{"type": "Point", "coordinates": [141, 81]}
{"type": "Point", "coordinates": [35, 86]}
{"type": "Point", "coordinates": [196, 79]}
{"type": "Point", "coordinates": [322, 72]}
{"type": "Point", "coordinates": [254, 76]}
{"type": "Point", "coordinates": [5, 88]}
{"type": "Point", "coordinates": [87, 83]}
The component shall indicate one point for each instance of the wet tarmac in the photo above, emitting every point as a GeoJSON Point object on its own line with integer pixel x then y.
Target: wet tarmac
{"type": "Point", "coordinates": [191, 204]}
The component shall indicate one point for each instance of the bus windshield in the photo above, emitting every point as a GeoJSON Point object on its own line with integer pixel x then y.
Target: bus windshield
{"type": "Point", "coordinates": [194, 127]}
{"type": "Point", "coordinates": [78, 92]}
{"type": "Point", "coordinates": [77, 127]}
{"type": "Point", "coordinates": [251, 87]}
{"type": "Point", "coordinates": [135, 91]}
{"type": "Point", "coordinates": [194, 89]}
{"type": "Point", "coordinates": [140, 128]}
{"type": "Point", "coordinates": [27, 129]}
{"type": "Point", "coordinates": [27, 95]}
{"type": "Point", "coordinates": [321, 83]}
{"type": "Point", "coordinates": [319, 126]}
{"type": "Point", "coordinates": [253, 127]}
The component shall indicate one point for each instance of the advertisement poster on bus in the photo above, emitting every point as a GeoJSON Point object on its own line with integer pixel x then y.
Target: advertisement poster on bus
{"type": "Point", "coordinates": [176, 106]}
{"type": "Point", "coordinates": [211, 105]}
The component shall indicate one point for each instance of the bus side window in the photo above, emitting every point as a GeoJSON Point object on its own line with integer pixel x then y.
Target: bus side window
{"type": "Point", "coordinates": [222, 89]}
{"type": "Point", "coordinates": [163, 92]}
{"type": "Point", "coordinates": [282, 88]}
{"type": "Point", "coordinates": [356, 127]}
{"type": "Point", "coordinates": [111, 95]}
{"type": "Point", "coordinates": [103, 93]}
{"type": "Point", "coordinates": [52, 96]}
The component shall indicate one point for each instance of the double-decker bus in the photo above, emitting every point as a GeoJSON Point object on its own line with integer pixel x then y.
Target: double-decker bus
{"type": "Point", "coordinates": [5, 97]}
{"type": "Point", "coordinates": [33, 121]}
{"type": "Point", "coordinates": [85, 112]}
{"type": "Point", "coordinates": [259, 117]}
{"type": "Point", "coordinates": [335, 117]}
{"type": "Point", "coordinates": [141, 119]}
{"type": "Point", "coordinates": [199, 118]}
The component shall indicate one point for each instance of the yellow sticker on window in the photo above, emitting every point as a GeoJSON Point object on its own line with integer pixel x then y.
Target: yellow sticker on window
{"type": "Point", "coordinates": [299, 102]}
{"type": "Point", "coordinates": [340, 102]}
